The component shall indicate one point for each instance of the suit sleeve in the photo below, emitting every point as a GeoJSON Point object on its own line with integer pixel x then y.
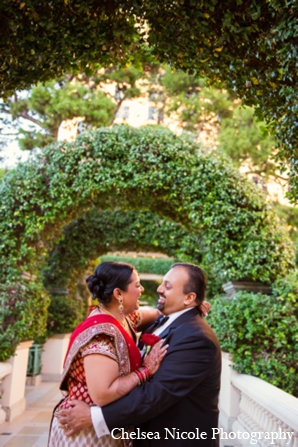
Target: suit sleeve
{"type": "Point", "coordinates": [187, 363]}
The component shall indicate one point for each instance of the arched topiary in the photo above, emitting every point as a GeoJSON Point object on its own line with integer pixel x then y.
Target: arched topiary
{"type": "Point", "coordinates": [94, 234]}
{"type": "Point", "coordinates": [100, 231]}
{"type": "Point", "coordinates": [147, 169]}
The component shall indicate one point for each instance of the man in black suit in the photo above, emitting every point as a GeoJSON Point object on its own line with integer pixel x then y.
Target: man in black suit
{"type": "Point", "coordinates": [178, 406]}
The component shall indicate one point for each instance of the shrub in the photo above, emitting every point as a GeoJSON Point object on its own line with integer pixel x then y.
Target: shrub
{"type": "Point", "coordinates": [158, 266]}
{"type": "Point", "coordinates": [23, 314]}
{"type": "Point", "coordinates": [261, 332]}
{"type": "Point", "coordinates": [65, 313]}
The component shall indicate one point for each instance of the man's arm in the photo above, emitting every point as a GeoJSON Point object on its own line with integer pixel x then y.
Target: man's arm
{"type": "Point", "coordinates": [187, 363]}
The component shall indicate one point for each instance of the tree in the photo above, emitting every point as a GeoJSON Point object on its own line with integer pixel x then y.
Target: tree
{"type": "Point", "coordinates": [250, 46]}
{"type": "Point", "coordinates": [47, 105]}
{"type": "Point", "coordinates": [186, 98]}
{"type": "Point", "coordinates": [199, 107]}
{"type": "Point", "coordinates": [241, 138]}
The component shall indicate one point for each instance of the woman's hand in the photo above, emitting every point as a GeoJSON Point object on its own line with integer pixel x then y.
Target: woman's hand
{"type": "Point", "coordinates": [155, 356]}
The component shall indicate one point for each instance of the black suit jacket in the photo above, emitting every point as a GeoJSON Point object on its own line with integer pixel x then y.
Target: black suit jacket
{"type": "Point", "coordinates": [182, 396]}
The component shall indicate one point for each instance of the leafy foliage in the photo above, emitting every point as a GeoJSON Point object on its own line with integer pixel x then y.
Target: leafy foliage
{"type": "Point", "coordinates": [65, 313]}
{"type": "Point", "coordinates": [248, 45]}
{"type": "Point", "coordinates": [261, 332]}
{"type": "Point", "coordinates": [147, 169]}
{"type": "Point", "coordinates": [101, 231]}
{"type": "Point", "coordinates": [83, 97]}
{"type": "Point", "coordinates": [158, 266]}
{"type": "Point", "coordinates": [290, 216]}
{"type": "Point", "coordinates": [241, 138]}
{"type": "Point", "coordinates": [24, 307]}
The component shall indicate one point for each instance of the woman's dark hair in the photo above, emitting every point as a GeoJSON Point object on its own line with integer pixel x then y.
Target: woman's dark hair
{"type": "Point", "coordinates": [107, 277]}
{"type": "Point", "coordinates": [196, 280]}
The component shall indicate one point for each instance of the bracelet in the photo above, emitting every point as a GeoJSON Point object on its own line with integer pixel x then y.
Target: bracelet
{"type": "Point", "coordinates": [139, 381]}
{"type": "Point", "coordinates": [146, 371]}
{"type": "Point", "coordinates": [143, 374]}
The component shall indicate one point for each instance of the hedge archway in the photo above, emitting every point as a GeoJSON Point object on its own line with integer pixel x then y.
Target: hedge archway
{"type": "Point", "coordinates": [94, 234]}
{"type": "Point", "coordinates": [100, 231]}
{"type": "Point", "coordinates": [147, 169]}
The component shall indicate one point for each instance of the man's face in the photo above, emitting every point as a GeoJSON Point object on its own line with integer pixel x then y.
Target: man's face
{"type": "Point", "coordinates": [171, 295]}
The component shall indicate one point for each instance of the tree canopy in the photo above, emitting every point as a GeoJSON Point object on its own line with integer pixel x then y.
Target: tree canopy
{"type": "Point", "coordinates": [47, 104]}
{"type": "Point", "coordinates": [248, 45]}
{"type": "Point", "coordinates": [214, 115]}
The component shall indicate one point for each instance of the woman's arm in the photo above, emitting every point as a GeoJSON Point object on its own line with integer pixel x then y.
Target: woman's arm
{"type": "Point", "coordinates": [102, 372]}
{"type": "Point", "coordinates": [149, 314]}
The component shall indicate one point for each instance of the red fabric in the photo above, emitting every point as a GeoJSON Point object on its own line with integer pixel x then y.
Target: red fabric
{"type": "Point", "coordinates": [134, 353]}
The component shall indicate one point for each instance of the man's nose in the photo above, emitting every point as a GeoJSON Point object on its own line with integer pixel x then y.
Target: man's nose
{"type": "Point", "coordinates": [159, 289]}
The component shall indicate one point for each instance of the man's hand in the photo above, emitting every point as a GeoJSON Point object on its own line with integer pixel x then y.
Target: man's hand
{"type": "Point", "coordinates": [204, 307]}
{"type": "Point", "coordinates": [76, 418]}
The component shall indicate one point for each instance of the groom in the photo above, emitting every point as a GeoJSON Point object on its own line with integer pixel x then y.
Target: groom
{"type": "Point", "coordinates": [178, 406]}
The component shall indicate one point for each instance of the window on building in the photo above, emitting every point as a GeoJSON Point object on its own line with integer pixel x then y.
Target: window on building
{"type": "Point", "coordinates": [155, 114]}
{"type": "Point", "coordinates": [125, 112]}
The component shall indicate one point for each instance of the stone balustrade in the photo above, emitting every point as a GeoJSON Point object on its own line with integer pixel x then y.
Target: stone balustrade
{"type": "Point", "coordinates": [254, 412]}
{"type": "Point", "coordinates": [5, 370]}
{"type": "Point", "coordinates": [265, 408]}
{"type": "Point", "coordinates": [13, 397]}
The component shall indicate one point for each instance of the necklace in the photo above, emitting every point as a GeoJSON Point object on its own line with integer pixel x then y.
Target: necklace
{"type": "Point", "coordinates": [124, 323]}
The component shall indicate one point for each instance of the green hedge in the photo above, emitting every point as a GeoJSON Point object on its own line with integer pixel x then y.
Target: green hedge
{"type": "Point", "coordinates": [158, 266]}
{"type": "Point", "coordinates": [148, 169]}
{"type": "Point", "coordinates": [24, 310]}
{"type": "Point", "coordinates": [261, 332]}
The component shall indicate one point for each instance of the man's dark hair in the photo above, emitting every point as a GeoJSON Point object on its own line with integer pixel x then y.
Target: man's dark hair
{"type": "Point", "coordinates": [196, 280]}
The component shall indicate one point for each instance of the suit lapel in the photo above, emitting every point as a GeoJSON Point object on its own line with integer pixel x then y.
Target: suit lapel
{"type": "Point", "coordinates": [180, 320]}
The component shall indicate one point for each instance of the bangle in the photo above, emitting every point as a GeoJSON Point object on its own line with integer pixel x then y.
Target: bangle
{"type": "Point", "coordinates": [139, 382]}
{"type": "Point", "coordinates": [147, 372]}
{"type": "Point", "coordinates": [143, 374]}
{"type": "Point", "coordinates": [140, 375]}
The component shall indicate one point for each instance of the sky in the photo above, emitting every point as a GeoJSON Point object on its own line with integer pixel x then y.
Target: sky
{"type": "Point", "coordinates": [12, 154]}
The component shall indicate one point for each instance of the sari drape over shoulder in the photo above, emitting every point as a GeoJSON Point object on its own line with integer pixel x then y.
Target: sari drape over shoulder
{"type": "Point", "coordinates": [98, 334]}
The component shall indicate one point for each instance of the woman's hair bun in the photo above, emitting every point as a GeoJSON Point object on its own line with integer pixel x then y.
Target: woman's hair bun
{"type": "Point", "coordinates": [107, 277]}
{"type": "Point", "coordinates": [96, 286]}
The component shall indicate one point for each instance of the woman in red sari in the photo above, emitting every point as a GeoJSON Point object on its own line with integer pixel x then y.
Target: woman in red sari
{"type": "Point", "coordinates": [103, 362]}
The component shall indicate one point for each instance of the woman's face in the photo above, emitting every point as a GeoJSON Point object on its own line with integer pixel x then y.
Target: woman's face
{"type": "Point", "coordinates": [132, 294]}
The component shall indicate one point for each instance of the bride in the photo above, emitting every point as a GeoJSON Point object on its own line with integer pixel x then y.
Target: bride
{"type": "Point", "coordinates": [103, 362]}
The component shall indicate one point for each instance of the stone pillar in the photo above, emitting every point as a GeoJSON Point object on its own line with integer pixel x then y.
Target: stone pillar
{"type": "Point", "coordinates": [52, 358]}
{"type": "Point", "coordinates": [5, 370]}
{"type": "Point", "coordinates": [13, 400]}
{"type": "Point", "coordinates": [229, 397]}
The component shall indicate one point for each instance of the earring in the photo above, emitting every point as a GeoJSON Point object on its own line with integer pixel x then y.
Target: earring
{"type": "Point", "coordinates": [121, 307]}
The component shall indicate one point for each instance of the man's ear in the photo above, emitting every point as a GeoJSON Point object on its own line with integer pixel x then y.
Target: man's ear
{"type": "Point", "coordinates": [190, 299]}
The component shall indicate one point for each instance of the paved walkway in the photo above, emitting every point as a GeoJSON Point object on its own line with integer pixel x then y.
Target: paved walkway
{"type": "Point", "coordinates": [30, 429]}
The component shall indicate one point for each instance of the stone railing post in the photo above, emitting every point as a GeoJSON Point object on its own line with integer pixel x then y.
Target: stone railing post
{"type": "Point", "coordinates": [5, 370]}
{"type": "Point", "coordinates": [13, 400]}
{"type": "Point", "coordinates": [52, 357]}
{"type": "Point", "coordinates": [229, 397]}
